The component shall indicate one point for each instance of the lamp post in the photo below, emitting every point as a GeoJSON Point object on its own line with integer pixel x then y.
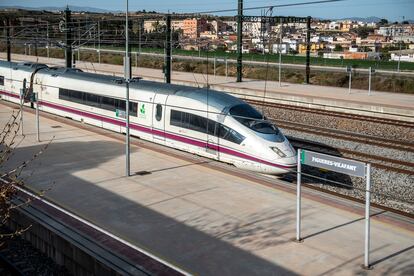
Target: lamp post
{"type": "Point", "coordinates": [127, 78]}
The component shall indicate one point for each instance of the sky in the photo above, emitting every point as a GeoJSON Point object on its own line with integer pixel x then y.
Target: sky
{"type": "Point", "coordinates": [393, 10]}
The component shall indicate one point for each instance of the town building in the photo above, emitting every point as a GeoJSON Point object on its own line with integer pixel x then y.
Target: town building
{"type": "Point", "coordinates": [192, 27]}
{"type": "Point", "coordinates": [314, 48]}
{"type": "Point", "coordinates": [403, 55]}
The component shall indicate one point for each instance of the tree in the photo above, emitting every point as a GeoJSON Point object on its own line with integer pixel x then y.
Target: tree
{"type": "Point", "coordinates": [382, 22]}
{"type": "Point", "coordinates": [338, 48]}
{"type": "Point", "coordinates": [363, 32]}
{"type": "Point", "coordinates": [10, 176]}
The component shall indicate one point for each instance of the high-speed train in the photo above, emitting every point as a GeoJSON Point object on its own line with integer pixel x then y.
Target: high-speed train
{"type": "Point", "coordinates": [205, 122]}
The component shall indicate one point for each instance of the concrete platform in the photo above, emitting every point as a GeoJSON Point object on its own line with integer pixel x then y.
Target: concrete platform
{"type": "Point", "coordinates": [379, 104]}
{"type": "Point", "coordinates": [206, 221]}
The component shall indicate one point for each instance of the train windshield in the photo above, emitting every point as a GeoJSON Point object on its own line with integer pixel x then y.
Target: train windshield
{"type": "Point", "coordinates": [251, 118]}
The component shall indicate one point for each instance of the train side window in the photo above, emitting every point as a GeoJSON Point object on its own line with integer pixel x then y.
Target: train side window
{"type": "Point", "coordinates": [222, 131]}
{"type": "Point", "coordinates": [108, 103]}
{"type": "Point", "coordinates": [64, 94]}
{"type": "Point", "coordinates": [198, 123]}
{"type": "Point", "coordinates": [121, 105]}
{"type": "Point", "coordinates": [229, 134]}
{"type": "Point", "coordinates": [133, 109]}
{"type": "Point", "coordinates": [235, 137]}
{"type": "Point", "coordinates": [185, 120]}
{"type": "Point", "coordinates": [158, 113]}
{"type": "Point", "coordinates": [1, 80]}
{"type": "Point", "coordinates": [175, 118]}
{"type": "Point", "coordinates": [76, 96]}
{"type": "Point", "coordinates": [211, 127]}
{"type": "Point", "coordinates": [93, 100]}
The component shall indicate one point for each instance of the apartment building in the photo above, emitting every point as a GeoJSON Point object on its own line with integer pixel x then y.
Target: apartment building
{"type": "Point", "coordinates": [192, 27]}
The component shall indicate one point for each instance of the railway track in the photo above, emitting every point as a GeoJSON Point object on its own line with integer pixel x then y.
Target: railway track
{"type": "Point", "coordinates": [380, 162]}
{"type": "Point", "coordinates": [346, 135]}
{"type": "Point", "coordinates": [338, 114]}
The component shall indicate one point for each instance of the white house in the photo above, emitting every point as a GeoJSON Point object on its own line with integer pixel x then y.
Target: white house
{"type": "Point", "coordinates": [283, 47]}
{"type": "Point", "coordinates": [406, 55]}
{"type": "Point", "coordinates": [335, 25]}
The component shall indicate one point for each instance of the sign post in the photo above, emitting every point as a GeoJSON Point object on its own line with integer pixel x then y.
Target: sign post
{"type": "Point", "coordinates": [36, 100]}
{"type": "Point", "coordinates": [21, 108]}
{"type": "Point", "coordinates": [341, 165]}
{"type": "Point", "coordinates": [367, 217]}
{"type": "Point", "coordinates": [298, 197]}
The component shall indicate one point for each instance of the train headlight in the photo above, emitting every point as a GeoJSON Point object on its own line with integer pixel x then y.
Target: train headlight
{"type": "Point", "coordinates": [278, 152]}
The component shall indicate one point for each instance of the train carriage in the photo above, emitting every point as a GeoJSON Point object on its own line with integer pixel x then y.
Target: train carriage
{"type": "Point", "coordinates": [198, 120]}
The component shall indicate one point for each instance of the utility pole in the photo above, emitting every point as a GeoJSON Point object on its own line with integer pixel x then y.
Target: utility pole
{"type": "Point", "coordinates": [22, 94]}
{"type": "Point", "coordinates": [167, 64]}
{"type": "Point", "coordinates": [263, 25]}
{"type": "Point", "coordinates": [79, 39]}
{"type": "Point", "coordinates": [139, 39]}
{"type": "Point", "coordinates": [8, 40]}
{"type": "Point", "coordinates": [308, 27]}
{"type": "Point", "coordinates": [127, 79]}
{"type": "Point", "coordinates": [280, 52]}
{"type": "Point", "coordinates": [47, 38]}
{"type": "Point", "coordinates": [239, 40]}
{"type": "Point", "coordinates": [99, 42]}
{"type": "Point", "coordinates": [349, 70]}
{"type": "Point", "coordinates": [36, 30]}
{"type": "Point", "coordinates": [68, 38]}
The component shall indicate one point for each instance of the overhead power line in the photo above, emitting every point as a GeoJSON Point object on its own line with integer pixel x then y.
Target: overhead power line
{"type": "Point", "coordinates": [267, 7]}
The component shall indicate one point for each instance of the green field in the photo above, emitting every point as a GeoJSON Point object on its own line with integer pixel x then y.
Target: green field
{"type": "Point", "coordinates": [292, 59]}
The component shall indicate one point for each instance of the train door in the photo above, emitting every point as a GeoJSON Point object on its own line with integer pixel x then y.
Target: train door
{"type": "Point", "coordinates": [158, 118]}
{"type": "Point", "coordinates": [213, 145]}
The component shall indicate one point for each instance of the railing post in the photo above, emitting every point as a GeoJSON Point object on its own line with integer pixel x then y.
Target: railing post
{"type": "Point", "coordinates": [369, 82]}
{"type": "Point", "coordinates": [226, 68]}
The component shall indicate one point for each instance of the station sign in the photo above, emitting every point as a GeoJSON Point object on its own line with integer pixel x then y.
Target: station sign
{"type": "Point", "coordinates": [333, 163]}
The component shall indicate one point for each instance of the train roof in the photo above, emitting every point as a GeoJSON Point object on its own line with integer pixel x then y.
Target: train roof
{"type": "Point", "coordinates": [23, 66]}
{"type": "Point", "coordinates": [220, 100]}
{"type": "Point", "coordinates": [4, 63]}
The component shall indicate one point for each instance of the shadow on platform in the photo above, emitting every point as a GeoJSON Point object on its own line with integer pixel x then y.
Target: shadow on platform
{"type": "Point", "coordinates": [166, 237]}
